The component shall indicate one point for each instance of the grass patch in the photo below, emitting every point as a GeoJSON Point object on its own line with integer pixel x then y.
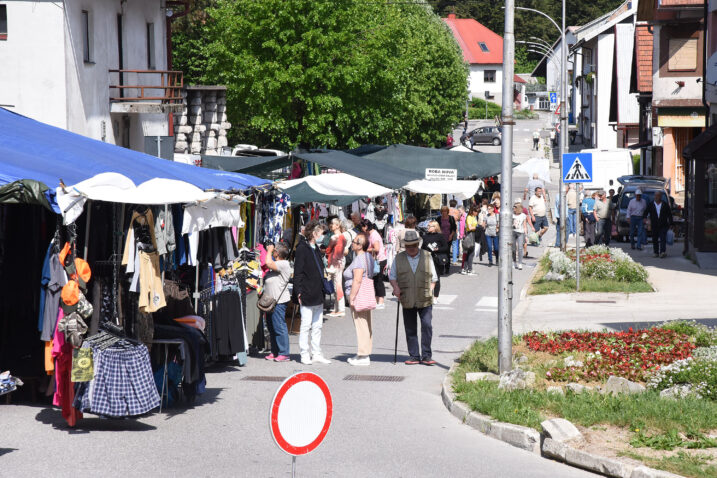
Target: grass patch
{"type": "Point", "coordinates": [683, 463]}
{"type": "Point", "coordinates": [539, 286]}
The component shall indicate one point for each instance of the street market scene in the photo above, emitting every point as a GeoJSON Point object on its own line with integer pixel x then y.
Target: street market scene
{"type": "Point", "coordinates": [355, 238]}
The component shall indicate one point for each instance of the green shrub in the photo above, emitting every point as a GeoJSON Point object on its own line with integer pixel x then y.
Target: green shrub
{"type": "Point", "coordinates": [627, 271]}
{"type": "Point", "coordinates": [700, 375]}
{"type": "Point", "coordinates": [477, 109]}
{"type": "Point", "coordinates": [703, 336]}
{"type": "Point", "coordinates": [525, 114]}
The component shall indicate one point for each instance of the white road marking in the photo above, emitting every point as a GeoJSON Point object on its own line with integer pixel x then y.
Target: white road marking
{"type": "Point", "coordinates": [446, 299]}
{"type": "Point", "coordinates": [487, 302]}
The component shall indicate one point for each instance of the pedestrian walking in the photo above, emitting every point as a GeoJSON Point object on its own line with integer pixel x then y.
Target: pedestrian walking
{"type": "Point", "coordinates": [435, 242]}
{"type": "Point", "coordinates": [455, 243]}
{"type": "Point", "coordinates": [531, 186]}
{"type": "Point", "coordinates": [520, 230]}
{"type": "Point", "coordinates": [409, 225]}
{"type": "Point", "coordinates": [660, 220]}
{"type": "Point", "coordinates": [571, 198]}
{"type": "Point", "coordinates": [449, 229]}
{"type": "Point", "coordinates": [308, 284]}
{"type": "Point", "coordinates": [536, 139]}
{"type": "Point", "coordinates": [469, 242]}
{"type": "Point", "coordinates": [336, 263]}
{"type": "Point", "coordinates": [601, 213]}
{"type": "Point", "coordinates": [636, 209]}
{"type": "Point", "coordinates": [538, 213]}
{"type": "Point", "coordinates": [413, 279]}
{"type": "Point", "coordinates": [377, 249]}
{"type": "Point", "coordinates": [276, 286]}
{"type": "Point", "coordinates": [529, 225]}
{"type": "Point", "coordinates": [492, 226]}
{"type": "Point", "coordinates": [360, 270]}
{"type": "Point", "coordinates": [587, 209]}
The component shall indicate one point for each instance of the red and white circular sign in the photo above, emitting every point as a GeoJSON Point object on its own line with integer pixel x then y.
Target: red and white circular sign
{"type": "Point", "coordinates": [300, 414]}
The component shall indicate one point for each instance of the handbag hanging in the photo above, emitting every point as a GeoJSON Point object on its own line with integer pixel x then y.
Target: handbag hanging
{"type": "Point", "coordinates": [267, 303]}
{"type": "Point", "coordinates": [366, 296]}
{"type": "Point", "coordinates": [469, 241]}
{"type": "Point", "coordinates": [327, 285]}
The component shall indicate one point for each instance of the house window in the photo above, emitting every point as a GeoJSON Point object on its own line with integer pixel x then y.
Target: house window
{"type": "Point", "coordinates": [150, 47]}
{"type": "Point", "coordinates": [489, 76]}
{"type": "Point", "coordinates": [87, 37]}
{"type": "Point", "coordinates": [3, 22]}
{"type": "Point", "coordinates": [483, 47]}
{"type": "Point", "coordinates": [683, 54]}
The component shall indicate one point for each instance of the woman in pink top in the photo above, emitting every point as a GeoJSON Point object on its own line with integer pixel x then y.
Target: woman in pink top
{"type": "Point", "coordinates": [335, 270]}
{"type": "Point", "coordinates": [378, 251]}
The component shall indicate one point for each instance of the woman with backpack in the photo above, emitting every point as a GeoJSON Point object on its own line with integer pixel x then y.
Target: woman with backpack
{"type": "Point", "coordinates": [276, 287]}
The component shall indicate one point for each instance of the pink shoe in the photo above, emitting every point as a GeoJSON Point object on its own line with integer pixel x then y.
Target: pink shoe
{"type": "Point", "coordinates": [282, 358]}
{"type": "Point", "coordinates": [270, 357]}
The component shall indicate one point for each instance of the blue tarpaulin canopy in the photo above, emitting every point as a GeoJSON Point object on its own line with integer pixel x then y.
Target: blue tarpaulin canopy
{"type": "Point", "coordinates": [34, 152]}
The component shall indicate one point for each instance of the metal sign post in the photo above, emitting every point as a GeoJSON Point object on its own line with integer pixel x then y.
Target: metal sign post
{"type": "Point", "coordinates": [578, 168]}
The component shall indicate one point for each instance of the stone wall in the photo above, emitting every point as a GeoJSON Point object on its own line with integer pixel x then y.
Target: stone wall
{"type": "Point", "coordinates": [202, 126]}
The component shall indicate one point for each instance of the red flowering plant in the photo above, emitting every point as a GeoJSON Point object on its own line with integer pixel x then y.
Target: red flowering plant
{"type": "Point", "coordinates": [633, 354]}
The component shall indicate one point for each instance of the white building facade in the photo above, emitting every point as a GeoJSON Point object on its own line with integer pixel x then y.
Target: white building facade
{"type": "Point", "coordinates": [57, 60]}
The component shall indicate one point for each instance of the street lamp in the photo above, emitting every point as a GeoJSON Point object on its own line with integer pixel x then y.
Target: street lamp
{"type": "Point", "coordinates": [563, 115]}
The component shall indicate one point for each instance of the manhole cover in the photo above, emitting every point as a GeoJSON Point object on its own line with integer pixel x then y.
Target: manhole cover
{"type": "Point", "coordinates": [375, 378]}
{"type": "Point", "coordinates": [263, 378]}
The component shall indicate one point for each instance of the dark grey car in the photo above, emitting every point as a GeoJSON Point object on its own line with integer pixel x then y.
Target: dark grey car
{"type": "Point", "coordinates": [628, 192]}
{"type": "Point", "coordinates": [486, 135]}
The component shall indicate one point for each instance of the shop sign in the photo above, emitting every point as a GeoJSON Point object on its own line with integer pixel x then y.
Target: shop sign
{"type": "Point", "coordinates": [439, 174]}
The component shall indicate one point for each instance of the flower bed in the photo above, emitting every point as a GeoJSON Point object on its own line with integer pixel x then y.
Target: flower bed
{"type": "Point", "coordinates": [596, 262]}
{"type": "Point", "coordinates": [632, 354]}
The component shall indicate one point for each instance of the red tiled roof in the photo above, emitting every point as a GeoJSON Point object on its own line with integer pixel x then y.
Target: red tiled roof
{"type": "Point", "coordinates": [644, 58]}
{"type": "Point", "coordinates": [518, 79]}
{"type": "Point", "coordinates": [468, 33]}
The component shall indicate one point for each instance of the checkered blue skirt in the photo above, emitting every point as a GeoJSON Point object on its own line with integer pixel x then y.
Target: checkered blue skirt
{"type": "Point", "coordinates": [124, 384]}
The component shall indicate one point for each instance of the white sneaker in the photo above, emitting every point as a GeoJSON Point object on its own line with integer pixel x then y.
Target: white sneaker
{"type": "Point", "coordinates": [320, 359]}
{"type": "Point", "coordinates": [358, 362]}
{"type": "Point", "coordinates": [306, 360]}
{"type": "Point", "coordinates": [463, 272]}
{"type": "Point", "coordinates": [520, 267]}
{"type": "Point", "coordinates": [380, 306]}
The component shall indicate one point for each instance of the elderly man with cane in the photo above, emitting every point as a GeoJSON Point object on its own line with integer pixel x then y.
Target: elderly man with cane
{"type": "Point", "coordinates": [413, 277]}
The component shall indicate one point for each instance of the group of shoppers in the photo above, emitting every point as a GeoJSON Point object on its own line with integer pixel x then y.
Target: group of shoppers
{"type": "Point", "coordinates": [355, 262]}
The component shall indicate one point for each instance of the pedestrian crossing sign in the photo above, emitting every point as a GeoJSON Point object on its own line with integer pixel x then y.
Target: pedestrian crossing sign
{"type": "Point", "coordinates": [577, 167]}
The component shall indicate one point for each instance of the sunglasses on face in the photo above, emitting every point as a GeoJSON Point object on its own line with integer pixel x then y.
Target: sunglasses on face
{"type": "Point", "coordinates": [356, 242]}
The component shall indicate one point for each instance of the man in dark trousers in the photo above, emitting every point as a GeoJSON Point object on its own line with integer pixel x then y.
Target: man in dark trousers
{"type": "Point", "coordinates": [660, 221]}
{"type": "Point", "coordinates": [413, 278]}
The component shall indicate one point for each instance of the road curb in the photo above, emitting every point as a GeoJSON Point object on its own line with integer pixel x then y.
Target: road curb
{"type": "Point", "coordinates": [524, 290]}
{"type": "Point", "coordinates": [533, 441]}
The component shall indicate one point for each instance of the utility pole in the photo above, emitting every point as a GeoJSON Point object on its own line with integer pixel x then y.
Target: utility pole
{"type": "Point", "coordinates": [563, 134]}
{"type": "Point", "coordinates": [505, 272]}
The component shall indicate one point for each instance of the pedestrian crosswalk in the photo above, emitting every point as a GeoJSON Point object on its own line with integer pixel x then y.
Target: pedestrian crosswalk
{"type": "Point", "coordinates": [487, 303]}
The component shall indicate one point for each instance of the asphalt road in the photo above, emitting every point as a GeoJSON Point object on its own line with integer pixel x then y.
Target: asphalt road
{"type": "Point", "coordinates": [380, 429]}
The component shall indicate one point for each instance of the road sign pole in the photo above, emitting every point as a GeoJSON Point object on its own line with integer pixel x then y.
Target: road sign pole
{"type": "Point", "coordinates": [293, 466]}
{"type": "Point", "coordinates": [505, 273]}
{"type": "Point", "coordinates": [563, 132]}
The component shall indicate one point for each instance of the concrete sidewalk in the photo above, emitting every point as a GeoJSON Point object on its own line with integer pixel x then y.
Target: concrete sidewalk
{"type": "Point", "coordinates": [682, 291]}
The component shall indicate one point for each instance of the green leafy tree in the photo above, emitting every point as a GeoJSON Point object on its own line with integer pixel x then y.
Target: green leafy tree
{"type": "Point", "coordinates": [304, 73]}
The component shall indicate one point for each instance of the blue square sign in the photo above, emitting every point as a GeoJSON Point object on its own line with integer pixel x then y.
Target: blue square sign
{"type": "Point", "coordinates": [577, 167]}
{"type": "Point", "coordinates": [553, 97]}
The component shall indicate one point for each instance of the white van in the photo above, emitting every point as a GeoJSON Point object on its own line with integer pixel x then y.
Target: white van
{"type": "Point", "coordinates": [608, 165]}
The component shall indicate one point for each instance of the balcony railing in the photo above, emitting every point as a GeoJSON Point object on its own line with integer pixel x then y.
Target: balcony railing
{"type": "Point", "coordinates": [155, 86]}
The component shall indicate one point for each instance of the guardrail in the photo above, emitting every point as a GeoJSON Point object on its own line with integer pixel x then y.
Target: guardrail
{"type": "Point", "coordinates": [147, 85]}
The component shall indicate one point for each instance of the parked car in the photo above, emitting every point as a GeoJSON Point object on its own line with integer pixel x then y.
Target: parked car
{"type": "Point", "coordinates": [648, 185]}
{"type": "Point", "coordinates": [484, 134]}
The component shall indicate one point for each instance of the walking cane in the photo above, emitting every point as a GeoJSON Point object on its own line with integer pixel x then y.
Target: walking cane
{"type": "Point", "coordinates": [395, 347]}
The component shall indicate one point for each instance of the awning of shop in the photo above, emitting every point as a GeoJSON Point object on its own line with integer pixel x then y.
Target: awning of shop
{"type": "Point", "coordinates": [640, 145]}
{"type": "Point", "coordinates": [462, 189]}
{"type": "Point", "coordinates": [681, 117]}
{"type": "Point", "coordinates": [338, 189]}
{"type": "Point", "coordinates": [539, 166]}
{"type": "Point", "coordinates": [260, 166]}
{"type": "Point", "coordinates": [371, 170]}
{"type": "Point", "coordinates": [702, 146]}
{"type": "Point", "coordinates": [417, 159]}
{"type": "Point", "coordinates": [30, 150]}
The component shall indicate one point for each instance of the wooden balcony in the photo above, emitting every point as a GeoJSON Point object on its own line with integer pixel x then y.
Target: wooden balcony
{"type": "Point", "coordinates": [146, 91]}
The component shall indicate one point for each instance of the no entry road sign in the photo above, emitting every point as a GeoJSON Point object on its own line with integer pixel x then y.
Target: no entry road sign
{"type": "Point", "coordinates": [577, 167]}
{"type": "Point", "coordinates": [300, 414]}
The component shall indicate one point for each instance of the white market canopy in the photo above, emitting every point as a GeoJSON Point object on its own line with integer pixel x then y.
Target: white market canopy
{"type": "Point", "coordinates": [461, 189]}
{"type": "Point", "coordinates": [117, 188]}
{"type": "Point", "coordinates": [334, 188]}
{"type": "Point", "coordinates": [539, 166]}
